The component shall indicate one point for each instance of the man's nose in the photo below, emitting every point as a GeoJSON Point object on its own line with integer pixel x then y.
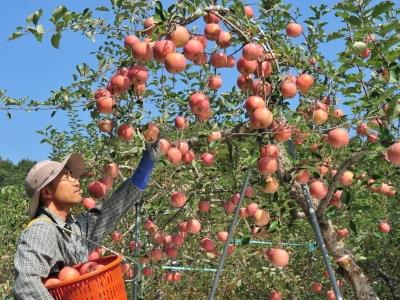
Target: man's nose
{"type": "Point", "coordinates": [75, 182]}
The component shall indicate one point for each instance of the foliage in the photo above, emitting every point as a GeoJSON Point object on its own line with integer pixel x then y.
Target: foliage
{"type": "Point", "coordinates": [365, 87]}
{"type": "Point", "coordinates": [13, 207]}
{"type": "Point", "coordinates": [11, 174]}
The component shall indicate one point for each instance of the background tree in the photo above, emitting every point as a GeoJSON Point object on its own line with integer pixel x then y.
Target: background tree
{"type": "Point", "coordinates": [11, 174]}
{"type": "Point", "coordinates": [160, 73]}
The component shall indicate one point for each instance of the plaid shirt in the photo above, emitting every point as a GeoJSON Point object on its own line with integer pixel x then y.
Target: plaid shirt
{"type": "Point", "coordinates": [44, 248]}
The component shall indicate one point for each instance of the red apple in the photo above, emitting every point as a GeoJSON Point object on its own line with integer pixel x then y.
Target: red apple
{"type": "Point", "coordinates": [384, 227]}
{"type": "Point", "coordinates": [178, 199]}
{"type": "Point", "coordinates": [97, 189]}
{"type": "Point", "coordinates": [107, 181]}
{"type": "Point", "coordinates": [249, 192]}
{"type": "Point", "coordinates": [204, 206]}
{"type": "Point", "coordinates": [177, 240]}
{"type": "Point", "coordinates": [88, 267]}
{"type": "Point", "coordinates": [68, 273]}
{"type": "Point", "coordinates": [343, 233]}
{"type": "Point", "coordinates": [222, 236]}
{"type": "Point", "coordinates": [207, 158]}
{"type": "Point", "coordinates": [111, 169]}
{"type": "Point", "coordinates": [278, 257]}
{"type": "Point", "coordinates": [88, 203]}
{"type": "Point", "coordinates": [133, 246]}
{"type": "Point", "coordinates": [116, 236]}
{"type": "Point", "coordinates": [147, 271]}
{"type": "Point", "coordinates": [275, 295]}
{"type": "Point", "coordinates": [93, 255]}
{"type": "Point", "coordinates": [316, 287]}
{"type": "Point", "coordinates": [51, 282]}
{"type": "Point", "coordinates": [180, 122]}
{"type": "Point", "coordinates": [207, 244]}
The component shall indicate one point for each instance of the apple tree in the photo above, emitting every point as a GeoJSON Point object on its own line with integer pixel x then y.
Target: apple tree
{"type": "Point", "coordinates": [231, 88]}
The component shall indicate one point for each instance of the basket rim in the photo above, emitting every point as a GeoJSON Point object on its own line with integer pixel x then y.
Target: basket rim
{"type": "Point", "coordinates": [118, 259]}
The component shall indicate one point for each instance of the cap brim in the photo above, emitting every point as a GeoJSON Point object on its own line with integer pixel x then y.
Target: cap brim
{"type": "Point", "coordinates": [34, 204]}
{"type": "Point", "coordinates": [74, 163]}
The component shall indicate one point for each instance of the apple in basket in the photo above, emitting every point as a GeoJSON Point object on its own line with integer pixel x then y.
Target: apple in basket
{"type": "Point", "coordinates": [49, 282]}
{"type": "Point", "coordinates": [88, 267]}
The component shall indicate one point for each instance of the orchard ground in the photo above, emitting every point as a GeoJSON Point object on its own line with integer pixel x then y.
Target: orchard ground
{"type": "Point", "coordinates": [227, 92]}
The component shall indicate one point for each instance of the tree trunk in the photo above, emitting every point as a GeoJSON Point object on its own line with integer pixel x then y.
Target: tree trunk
{"type": "Point", "coordinates": [343, 256]}
{"type": "Point", "coordinates": [348, 266]}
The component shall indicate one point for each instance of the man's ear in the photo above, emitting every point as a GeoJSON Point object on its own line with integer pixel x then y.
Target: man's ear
{"type": "Point", "coordinates": [46, 194]}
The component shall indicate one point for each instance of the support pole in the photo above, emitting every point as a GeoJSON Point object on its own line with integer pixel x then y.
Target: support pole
{"type": "Point", "coordinates": [178, 268]}
{"type": "Point", "coordinates": [316, 228]}
{"type": "Point", "coordinates": [230, 234]}
{"type": "Point", "coordinates": [136, 238]}
{"type": "Point", "coordinates": [320, 240]}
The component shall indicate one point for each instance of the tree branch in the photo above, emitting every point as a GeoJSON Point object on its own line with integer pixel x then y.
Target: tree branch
{"type": "Point", "coordinates": [347, 163]}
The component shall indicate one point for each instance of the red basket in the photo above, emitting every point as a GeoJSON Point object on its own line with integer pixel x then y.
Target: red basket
{"type": "Point", "coordinates": [104, 284]}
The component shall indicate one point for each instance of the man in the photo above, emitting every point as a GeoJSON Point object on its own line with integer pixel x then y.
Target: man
{"type": "Point", "coordinates": [44, 246]}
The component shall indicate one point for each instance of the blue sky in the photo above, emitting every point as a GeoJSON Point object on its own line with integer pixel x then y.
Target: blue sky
{"type": "Point", "coordinates": [30, 68]}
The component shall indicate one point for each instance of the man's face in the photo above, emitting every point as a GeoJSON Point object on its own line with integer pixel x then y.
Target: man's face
{"type": "Point", "coordinates": [65, 190]}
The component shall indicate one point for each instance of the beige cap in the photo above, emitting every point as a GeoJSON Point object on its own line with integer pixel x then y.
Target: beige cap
{"type": "Point", "coordinates": [44, 172]}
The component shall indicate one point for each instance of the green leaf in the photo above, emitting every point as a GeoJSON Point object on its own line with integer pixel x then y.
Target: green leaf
{"type": "Point", "coordinates": [156, 18]}
{"type": "Point", "coordinates": [353, 20]}
{"type": "Point", "coordinates": [67, 17]}
{"type": "Point", "coordinates": [394, 109]}
{"type": "Point", "coordinates": [388, 27]}
{"type": "Point", "coordinates": [238, 8]}
{"type": "Point", "coordinates": [350, 103]}
{"type": "Point", "coordinates": [378, 235]}
{"type": "Point", "coordinates": [102, 8]}
{"type": "Point", "coordinates": [353, 226]}
{"type": "Point", "coordinates": [273, 225]}
{"type": "Point", "coordinates": [359, 46]}
{"type": "Point", "coordinates": [39, 32]}
{"type": "Point", "coordinates": [90, 35]}
{"type": "Point", "coordinates": [171, 8]}
{"type": "Point", "coordinates": [159, 5]}
{"type": "Point", "coordinates": [213, 144]}
{"type": "Point", "coordinates": [346, 7]}
{"type": "Point", "coordinates": [159, 11]}
{"type": "Point", "coordinates": [334, 36]}
{"type": "Point", "coordinates": [40, 29]}
{"type": "Point", "coordinates": [80, 69]}
{"type": "Point", "coordinates": [394, 74]}
{"type": "Point", "coordinates": [55, 39]}
{"type": "Point", "coordinates": [345, 197]}
{"type": "Point", "coordinates": [34, 17]}
{"type": "Point", "coordinates": [119, 18]}
{"type": "Point", "coordinates": [385, 137]}
{"type": "Point", "coordinates": [245, 241]}
{"type": "Point", "coordinates": [15, 35]}
{"type": "Point", "coordinates": [53, 113]}
{"type": "Point", "coordinates": [58, 13]}
{"type": "Point", "coordinates": [9, 115]}
{"type": "Point", "coordinates": [11, 101]}
{"type": "Point", "coordinates": [392, 41]}
{"type": "Point", "coordinates": [163, 79]}
{"type": "Point", "coordinates": [3, 191]}
{"type": "Point", "coordinates": [87, 13]}
{"type": "Point", "coordinates": [381, 8]}
{"type": "Point", "coordinates": [102, 62]}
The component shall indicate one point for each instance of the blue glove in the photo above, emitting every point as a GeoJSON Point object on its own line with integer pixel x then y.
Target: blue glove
{"type": "Point", "coordinates": [141, 176]}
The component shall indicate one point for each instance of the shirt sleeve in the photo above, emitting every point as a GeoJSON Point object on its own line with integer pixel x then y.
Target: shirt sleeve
{"type": "Point", "coordinates": [33, 260]}
{"type": "Point", "coordinates": [101, 219]}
